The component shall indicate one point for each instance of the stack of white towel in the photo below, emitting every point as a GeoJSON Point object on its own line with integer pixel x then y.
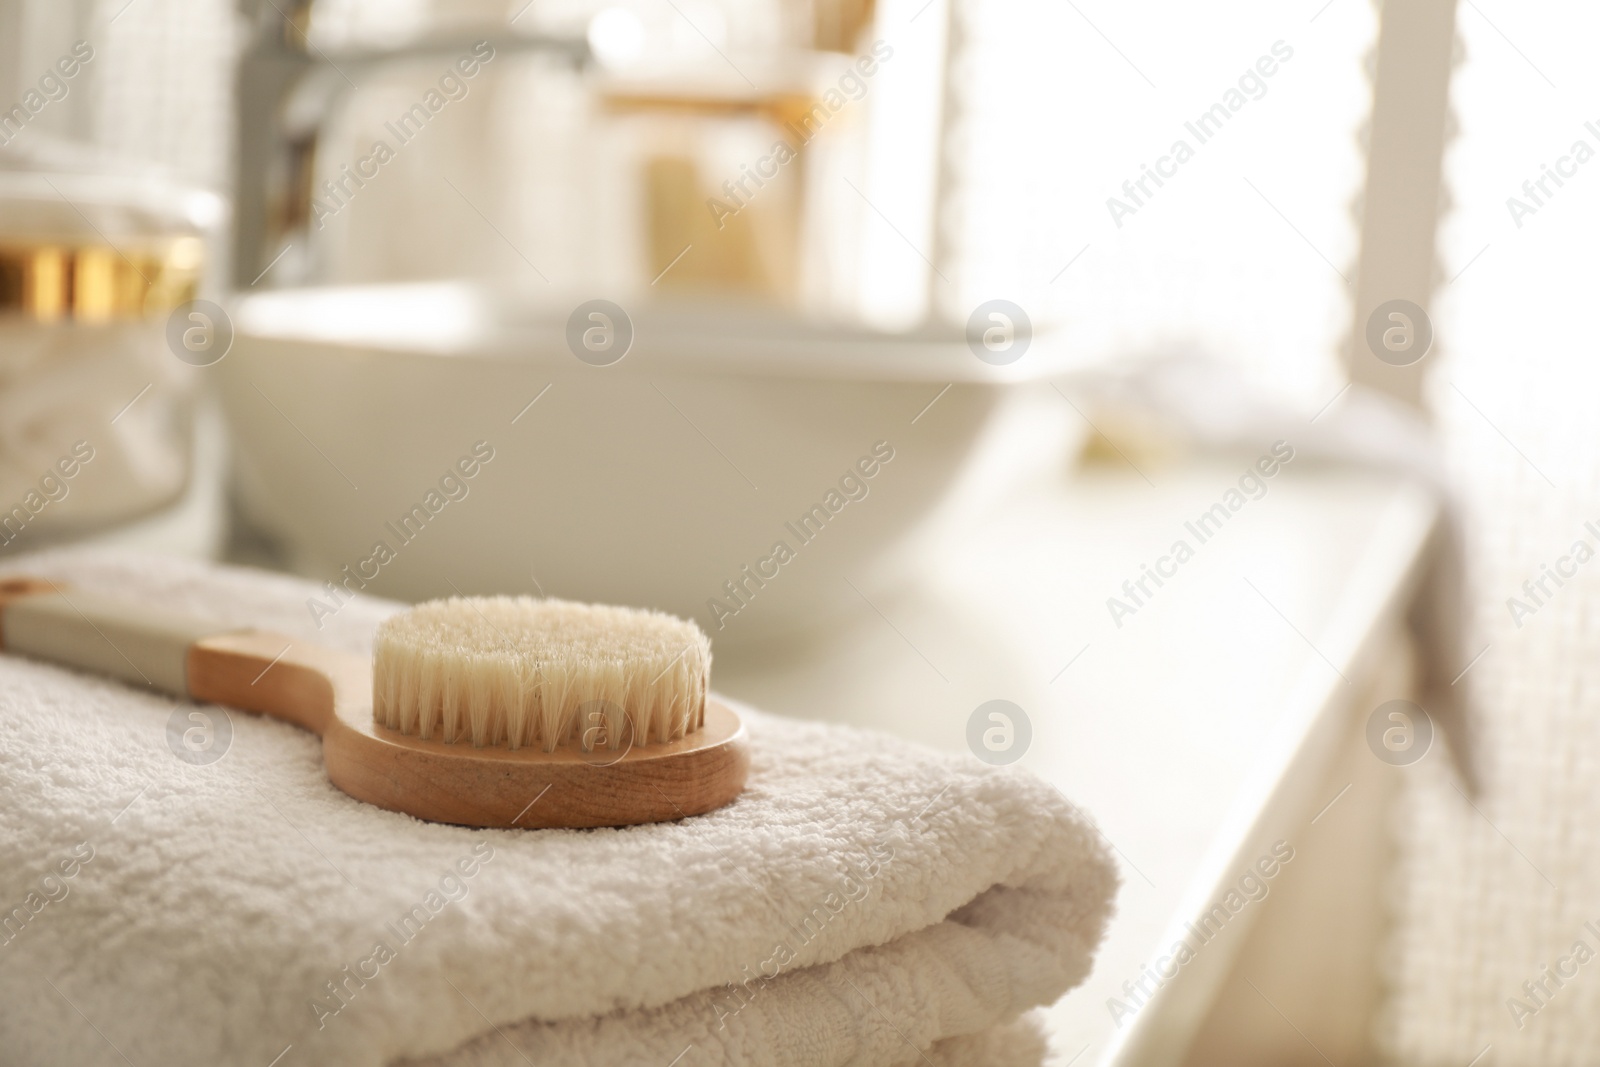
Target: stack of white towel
{"type": "Point", "coordinates": [864, 902]}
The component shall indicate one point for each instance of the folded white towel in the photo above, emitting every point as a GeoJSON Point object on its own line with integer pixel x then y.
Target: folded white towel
{"type": "Point", "coordinates": [864, 902]}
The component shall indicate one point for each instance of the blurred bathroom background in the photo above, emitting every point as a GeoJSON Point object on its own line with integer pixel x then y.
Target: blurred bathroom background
{"type": "Point", "coordinates": [840, 171]}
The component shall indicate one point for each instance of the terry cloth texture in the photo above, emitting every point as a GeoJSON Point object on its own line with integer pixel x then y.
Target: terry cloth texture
{"type": "Point", "coordinates": [864, 902]}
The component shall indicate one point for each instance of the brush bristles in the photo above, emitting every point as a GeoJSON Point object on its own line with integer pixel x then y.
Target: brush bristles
{"type": "Point", "coordinates": [517, 671]}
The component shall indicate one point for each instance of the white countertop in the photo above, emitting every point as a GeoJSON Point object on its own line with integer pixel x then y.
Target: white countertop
{"type": "Point", "coordinates": [1199, 725]}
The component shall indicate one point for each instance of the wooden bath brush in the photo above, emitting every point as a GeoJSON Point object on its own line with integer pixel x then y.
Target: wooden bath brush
{"type": "Point", "coordinates": [481, 711]}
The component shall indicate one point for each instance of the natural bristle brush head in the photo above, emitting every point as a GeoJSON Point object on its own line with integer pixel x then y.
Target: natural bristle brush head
{"type": "Point", "coordinates": [523, 672]}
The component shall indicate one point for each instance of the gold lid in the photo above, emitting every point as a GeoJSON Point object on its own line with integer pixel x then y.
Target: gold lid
{"type": "Point", "coordinates": [97, 283]}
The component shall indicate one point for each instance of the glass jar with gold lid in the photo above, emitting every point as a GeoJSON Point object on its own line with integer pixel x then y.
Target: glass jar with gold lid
{"type": "Point", "coordinates": [94, 256]}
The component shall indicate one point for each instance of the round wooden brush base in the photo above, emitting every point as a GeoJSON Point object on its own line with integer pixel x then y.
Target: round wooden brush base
{"type": "Point", "coordinates": [330, 693]}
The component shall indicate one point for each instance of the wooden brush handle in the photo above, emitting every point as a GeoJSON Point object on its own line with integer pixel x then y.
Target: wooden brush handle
{"type": "Point", "coordinates": [330, 693]}
{"type": "Point", "coordinates": [143, 645]}
{"type": "Point", "coordinates": [151, 647]}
